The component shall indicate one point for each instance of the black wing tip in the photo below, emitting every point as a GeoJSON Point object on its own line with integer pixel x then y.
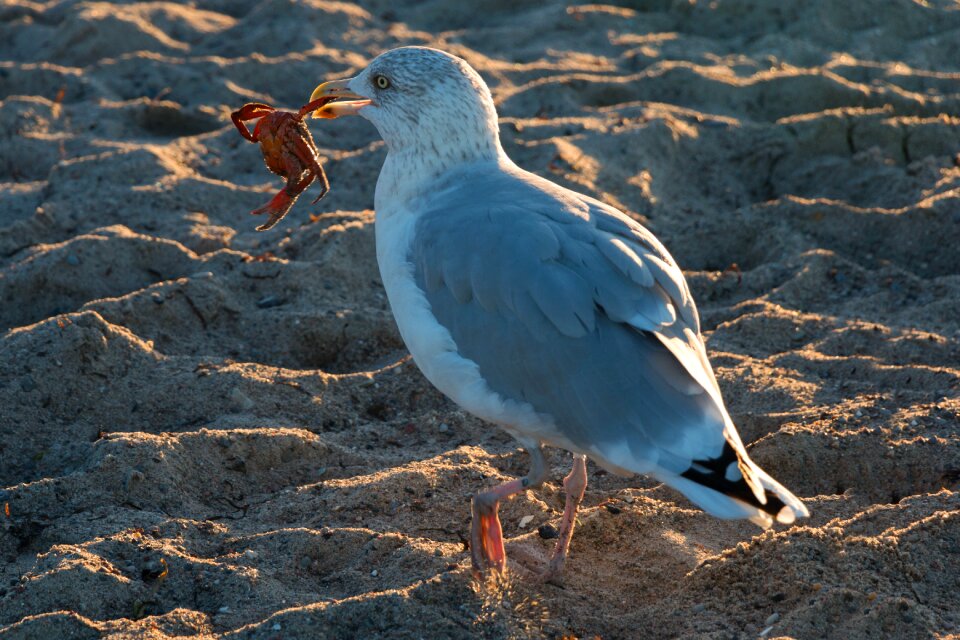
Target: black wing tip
{"type": "Point", "coordinates": [714, 474]}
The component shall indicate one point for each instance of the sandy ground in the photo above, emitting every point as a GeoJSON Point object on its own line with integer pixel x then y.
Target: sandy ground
{"type": "Point", "coordinates": [213, 432]}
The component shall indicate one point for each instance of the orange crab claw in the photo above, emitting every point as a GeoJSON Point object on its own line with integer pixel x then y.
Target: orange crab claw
{"type": "Point", "coordinates": [250, 111]}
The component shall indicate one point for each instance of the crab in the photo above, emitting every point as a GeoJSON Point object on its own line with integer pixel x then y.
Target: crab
{"type": "Point", "coordinates": [288, 151]}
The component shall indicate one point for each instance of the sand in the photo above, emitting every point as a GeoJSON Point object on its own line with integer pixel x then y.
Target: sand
{"type": "Point", "coordinates": [209, 432]}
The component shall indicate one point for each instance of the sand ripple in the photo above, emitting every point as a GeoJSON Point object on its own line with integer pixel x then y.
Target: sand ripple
{"type": "Point", "coordinates": [210, 432]}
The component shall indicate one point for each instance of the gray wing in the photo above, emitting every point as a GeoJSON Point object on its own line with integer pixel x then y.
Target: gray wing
{"type": "Point", "coordinates": [572, 307]}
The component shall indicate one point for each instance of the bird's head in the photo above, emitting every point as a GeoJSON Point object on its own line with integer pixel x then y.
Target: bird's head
{"type": "Point", "coordinates": [419, 98]}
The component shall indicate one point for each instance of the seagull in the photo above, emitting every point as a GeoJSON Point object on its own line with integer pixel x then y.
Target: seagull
{"type": "Point", "coordinates": [539, 309]}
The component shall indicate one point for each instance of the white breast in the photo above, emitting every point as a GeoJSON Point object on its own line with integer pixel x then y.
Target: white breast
{"type": "Point", "coordinates": [432, 346]}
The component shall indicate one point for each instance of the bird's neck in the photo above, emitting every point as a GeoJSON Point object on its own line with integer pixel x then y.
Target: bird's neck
{"type": "Point", "coordinates": [409, 169]}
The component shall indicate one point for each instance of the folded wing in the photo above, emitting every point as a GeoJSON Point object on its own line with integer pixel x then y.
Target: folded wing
{"type": "Point", "coordinates": [572, 307]}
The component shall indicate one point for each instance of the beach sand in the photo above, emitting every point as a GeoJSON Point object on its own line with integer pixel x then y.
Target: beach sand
{"type": "Point", "coordinates": [212, 432]}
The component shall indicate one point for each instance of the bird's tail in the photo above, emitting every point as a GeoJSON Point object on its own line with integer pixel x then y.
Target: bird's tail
{"type": "Point", "coordinates": [732, 486]}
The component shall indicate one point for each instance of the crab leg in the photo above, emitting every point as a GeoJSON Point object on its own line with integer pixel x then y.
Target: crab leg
{"type": "Point", "coordinates": [308, 157]}
{"type": "Point", "coordinates": [280, 204]}
{"type": "Point", "coordinates": [316, 104]}
{"type": "Point", "coordinates": [249, 112]}
{"type": "Point", "coordinates": [321, 177]}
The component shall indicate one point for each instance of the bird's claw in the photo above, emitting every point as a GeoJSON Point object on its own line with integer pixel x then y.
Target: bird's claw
{"type": "Point", "coordinates": [486, 540]}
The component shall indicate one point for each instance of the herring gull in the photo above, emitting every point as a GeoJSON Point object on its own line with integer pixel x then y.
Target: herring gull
{"type": "Point", "coordinates": [539, 309]}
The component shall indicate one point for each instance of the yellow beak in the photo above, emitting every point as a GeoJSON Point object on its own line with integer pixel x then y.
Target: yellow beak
{"type": "Point", "coordinates": [343, 101]}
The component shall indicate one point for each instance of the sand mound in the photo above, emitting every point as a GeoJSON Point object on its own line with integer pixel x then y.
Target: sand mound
{"type": "Point", "coordinates": [212, 432]}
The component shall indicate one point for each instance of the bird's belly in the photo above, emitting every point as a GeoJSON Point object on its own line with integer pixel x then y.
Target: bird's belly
{"type": "Point", "coordinates": [433, 348]}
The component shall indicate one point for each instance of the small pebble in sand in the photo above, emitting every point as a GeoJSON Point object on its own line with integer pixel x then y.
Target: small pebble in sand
{"type": "Point", "coordinates": [155, 569]}
{"type": "Point", "coordinates": [773, 618]}
{"type": "Point", "coordinates": [548, 532]}
{"type": "Point", "coordinates": [223, 609]}
{"type": "Point", "coordinates": [240, 400]}
{"type": "Point", "coordinates": [763, 634]}
{"type": "Point", "coordinates": [305, 562]}
{"type": "Point", "coordinates": [913, 423]}
{"type": "Point", "coordinates": [525, 520]}
{"type": "Point", "coordinates": [443, 428]}
{"type": "Point", "coordinates": [699, 608]}
{"type": "Point", "coordinates": [438, 553]}
{"type": "Point", "coordinates": [134, 478]}
{"type": "Point", "coordinates": [374, 573]}
{"type": "Point", "coordinates": [73, 260]}
{"type": "Point", "coordinates": [157, 297]}
{"type": "Point", "coordinates": [276, 627]}
{"type": "Point", "coordinates": [267, 302]}
{"type": "Point", "coordinates": [858, 414]}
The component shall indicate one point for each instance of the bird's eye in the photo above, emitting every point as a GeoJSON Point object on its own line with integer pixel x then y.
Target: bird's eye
{"type": "Point", "coordinates": [382, 82]}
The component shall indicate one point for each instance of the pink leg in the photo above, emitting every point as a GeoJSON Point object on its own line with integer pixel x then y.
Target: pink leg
{"type": "Point", "coordinates": [573, 485]}
{"type": "Point", "coordinates": [486, 534]}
